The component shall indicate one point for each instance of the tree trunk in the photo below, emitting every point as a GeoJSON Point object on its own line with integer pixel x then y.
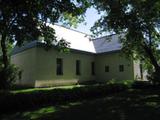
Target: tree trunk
{"type": "Point", "coordinates": [152, 58]}
{"type": "Point", "coordinates": [4, 52]}
{"type": "Point", "coordinates": [154, 77]}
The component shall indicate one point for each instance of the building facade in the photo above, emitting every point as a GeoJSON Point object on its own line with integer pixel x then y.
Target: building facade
{"type": "Point", "coordinates": [98, 60]}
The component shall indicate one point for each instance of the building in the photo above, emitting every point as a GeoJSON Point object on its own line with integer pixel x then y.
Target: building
{"type": "Point", "coordinates": [88, 60]}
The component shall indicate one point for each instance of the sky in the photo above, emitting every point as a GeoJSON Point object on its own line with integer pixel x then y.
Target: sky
{"type": "Point", "coordinates": [91, 17]}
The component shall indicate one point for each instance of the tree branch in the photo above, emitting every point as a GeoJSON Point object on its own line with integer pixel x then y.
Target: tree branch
{"type": "Point", "coordinates": [12, 22]}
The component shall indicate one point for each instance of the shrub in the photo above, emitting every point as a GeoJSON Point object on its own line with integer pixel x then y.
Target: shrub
{"type": "Point", "coordinates": [142, 85]}
{"type": "Point", "coordinates": [128, 83]}
{"type": "Point", "coordinates": [8, 76]}
{"type": "Point", "coordinates": [154, 78]}
{"type": "Point", "coordinates": [28, 100]}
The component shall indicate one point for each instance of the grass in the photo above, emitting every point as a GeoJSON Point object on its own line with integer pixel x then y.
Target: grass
{"type": "Point", "coordinates": [37, 98]}
{"type": "Point", "coordinates": [45, 89]}
{"type": "Point", "coordinates": [139, 104]}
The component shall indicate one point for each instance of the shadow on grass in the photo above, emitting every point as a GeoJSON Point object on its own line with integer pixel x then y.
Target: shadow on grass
{"type": "Point", "coordinates": [129, 105]}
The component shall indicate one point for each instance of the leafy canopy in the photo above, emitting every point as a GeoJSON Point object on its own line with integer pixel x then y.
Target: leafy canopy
{"type": "Point", "coordinates": [139, 20]}
{"type": "Point", "coordinates": [28, 20]}
{"type": "Point", "coordinates": [24, 20]}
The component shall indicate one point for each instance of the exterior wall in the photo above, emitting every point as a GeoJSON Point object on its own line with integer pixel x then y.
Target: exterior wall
{"type": "Point", "coordinates": [26, 62]}
{"type": "Point", "coordinates": [39, 67]}
{"type": "Point", "coordinates": [113, 60]}
{"type": "Point", "coordinates": [145, 74]}
{"type": "Point", "coordinates": [137, 73]}
{"type": "Point", "coordinates": [46, 67]}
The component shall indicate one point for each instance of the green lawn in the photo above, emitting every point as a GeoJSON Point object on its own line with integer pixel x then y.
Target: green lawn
{"type": "Point", "coordinates": [48, 88]}
{"type": "Point", "coordinates": [129, 105]}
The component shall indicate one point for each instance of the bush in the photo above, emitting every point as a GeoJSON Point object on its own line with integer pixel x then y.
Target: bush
{"type": "Point", "coordinates": [8, 76]}
{"type": "Point", "coordinates": [154, 78]}
{"type": "Point", "coordinates": [142, 85]}
{"type": "Point", "coordinates": [28, 100]}
{"type": "Point", "coordinates": [128, 83]}
{"type": "Point", "coordinates": [92, 82]}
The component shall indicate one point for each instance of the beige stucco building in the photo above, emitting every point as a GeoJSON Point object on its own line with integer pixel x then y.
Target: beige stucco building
{"type": "Point", "coordinates": [98, 60]}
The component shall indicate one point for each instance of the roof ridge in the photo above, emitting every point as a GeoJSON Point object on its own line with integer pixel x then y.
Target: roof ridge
{"type": "Point", "coordinates": [105, 36]}
{"type": "Point", "coordinates": [72, 29]}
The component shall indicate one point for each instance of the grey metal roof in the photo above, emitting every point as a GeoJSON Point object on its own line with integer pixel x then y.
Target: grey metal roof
{"type": "Point", "coordinates": [29, 45]}
{"type": "Point", "coordinates": [80, 42]}
{"type": "Point", "coordinates": [107, 44]}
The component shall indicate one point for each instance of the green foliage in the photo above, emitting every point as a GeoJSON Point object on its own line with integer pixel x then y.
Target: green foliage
{"type": "Point", "coordinates": [139, 21]}
{"type": "Point", "coordinates": [70, 20]}
{"type": "Point", "coordinates": [63, 46]}
{"type": "Point", "coordinates": [126, 105]}
{"type": "Point", "coordinates": [153, 77]}
{"type": "Point", "coordinates": [8, 76]}
{"type": "Point", "coordinates": [143, 85]}
{"type": "Point", "coordinates": [128, 83]}
{"type": "Point", "coordinates": [33, 115]}
{"type": "Point", "coordinates": [136, 19]}
{"type": "Point", "coordinates": [27, 20]}
{"type": "Point", "coordinates": [37, 98]}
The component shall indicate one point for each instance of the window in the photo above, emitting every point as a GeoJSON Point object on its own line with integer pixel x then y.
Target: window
{"type": "Point", "coordinates": [78, 67]}
{"type": "Point", "coordinates": [59, 66]}
{"type": "Point", "coordinates": [107, 68]}
{"type": "Point", "coordinates": [92, 68]}
{"type": "Point", "coordinates": [121, 68]}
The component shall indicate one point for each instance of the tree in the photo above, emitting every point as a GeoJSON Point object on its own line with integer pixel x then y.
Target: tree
{"type": "Point", "coordinates": [26, 20]}
{"type": "Point", "coordinates": [139, 20]}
